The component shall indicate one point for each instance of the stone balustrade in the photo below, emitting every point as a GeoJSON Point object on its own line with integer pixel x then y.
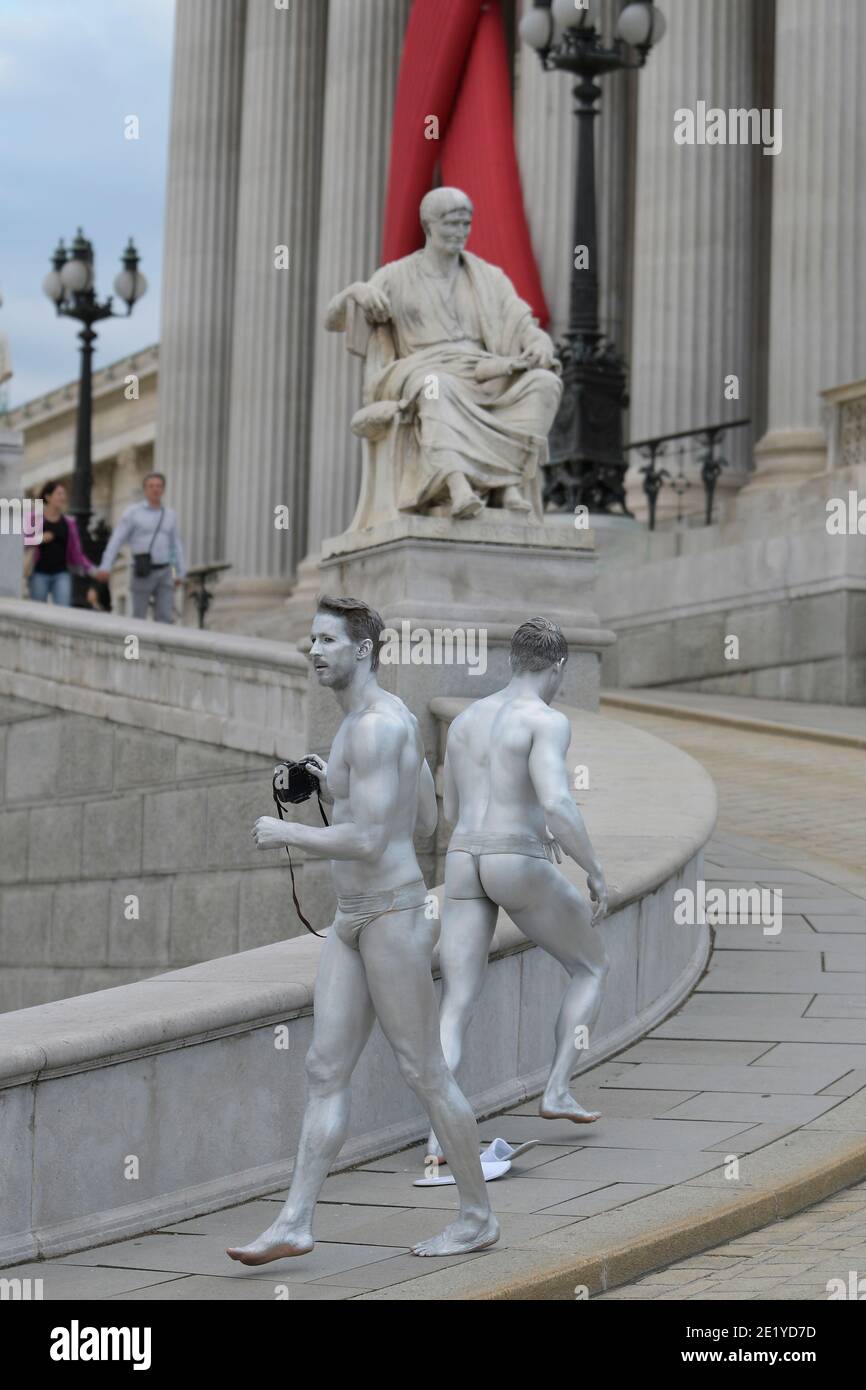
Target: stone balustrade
{"type": "Point", "coordinates": [845, 407]}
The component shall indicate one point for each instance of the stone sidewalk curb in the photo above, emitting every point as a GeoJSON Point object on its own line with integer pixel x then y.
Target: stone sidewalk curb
{"type": "Point", "coordinates": [657, 1239]}
{"type": "Point", "coordinates": [737, 721]}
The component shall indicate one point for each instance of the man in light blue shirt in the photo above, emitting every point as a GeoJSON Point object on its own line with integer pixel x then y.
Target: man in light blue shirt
{"type": "Point", "coordinates": [149, 529]}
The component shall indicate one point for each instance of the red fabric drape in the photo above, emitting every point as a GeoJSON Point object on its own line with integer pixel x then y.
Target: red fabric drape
{"type": "Point", "coordinates": [455, 66]}
{"type": "Point", "coordinates": [435, 50]}
{"type": "Point", "coordinates": [478, 156]}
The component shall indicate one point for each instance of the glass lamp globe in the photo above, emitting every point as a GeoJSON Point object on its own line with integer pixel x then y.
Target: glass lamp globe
{"type": "Point", "coordinates": [52, 285]}
{"type": "Point", "coordinates": [569, 15]}
{"type": "Point", "coordinates": [640, 24]}
{"type": "Point", "coordinates": [536, 28]}
{"type": "Point", "coordinates": [76, 276]}
{"type": "Point", "coordinates": [130, 285]}
{"type": "Point", "coordinates": [660, 24]}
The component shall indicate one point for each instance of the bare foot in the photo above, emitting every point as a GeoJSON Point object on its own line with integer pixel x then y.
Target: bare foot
{"type": "Point", "coordinates": [460, 1237]}
{"type": "Point", "coordinates": [566, 1108]}
{"type": "Point", "coordinates": [278, 1242]}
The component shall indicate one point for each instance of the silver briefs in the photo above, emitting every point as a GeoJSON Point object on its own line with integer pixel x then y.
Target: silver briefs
{"type": "Point", "coordinates": [462, 874]}
{"type": "Point", "coordinates": [358, 911]}
{"type": "Point", "coordinates": [478, 842]}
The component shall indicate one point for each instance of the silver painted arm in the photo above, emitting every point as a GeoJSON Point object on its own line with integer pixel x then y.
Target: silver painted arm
{"type": "Point", "coordinates": [428, 811]}
{"type": "Point", "coordinates": [373, 793]}
{"type": "Point", "coordinates": [548, 772]}
{"type": "Point", "coordinates": [451, 796]}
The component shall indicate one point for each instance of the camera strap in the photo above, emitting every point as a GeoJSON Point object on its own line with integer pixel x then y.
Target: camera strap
{"type": "Point", "coordinates": [291, 866]}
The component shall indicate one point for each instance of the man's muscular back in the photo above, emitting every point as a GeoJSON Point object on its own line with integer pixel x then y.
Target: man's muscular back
{"type": "Point", "coordinates": [489, 758]}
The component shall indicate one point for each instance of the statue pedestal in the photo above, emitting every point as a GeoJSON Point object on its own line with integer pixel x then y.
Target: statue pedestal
{"type": "Point", "coordinates": [455, 592]}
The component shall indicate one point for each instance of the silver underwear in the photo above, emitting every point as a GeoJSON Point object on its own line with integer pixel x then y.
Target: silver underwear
{"type": "Point", "coordinates": [477, 842]}
{"type": "Point", "coordinates": [357, 912]}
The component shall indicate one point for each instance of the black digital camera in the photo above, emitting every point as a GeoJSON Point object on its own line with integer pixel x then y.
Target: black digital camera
{"type": "Point", "coordinates": [293, 783]}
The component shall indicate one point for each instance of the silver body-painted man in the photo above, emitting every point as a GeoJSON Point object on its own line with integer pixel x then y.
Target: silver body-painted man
{"type": "Point", "coordinates": [376, 960]}
{"type": "Point", "coordinates": [507, 794]}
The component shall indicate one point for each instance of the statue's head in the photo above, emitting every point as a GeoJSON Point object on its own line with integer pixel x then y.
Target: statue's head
{"type": "Point", "coordinates": [539, 647]}
{"type": "Point", "coordinates": [344, 640]}
{"type": "Point", "coordinates": [446, 216]}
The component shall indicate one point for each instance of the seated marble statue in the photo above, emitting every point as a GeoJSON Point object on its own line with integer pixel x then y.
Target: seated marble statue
{"type": "Point", "coordinates": [461, 385]}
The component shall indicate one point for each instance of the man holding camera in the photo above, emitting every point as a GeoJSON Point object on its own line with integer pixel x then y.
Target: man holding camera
{"type": "Point", "coordinates": [151, 532]}
{"type": "Point", "coordinates": [375, 962]}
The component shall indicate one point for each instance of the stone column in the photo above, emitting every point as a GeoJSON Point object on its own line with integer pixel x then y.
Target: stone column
{"type": "Point", "coordinates": [546, 140]}
{"type": "Point", "coordinates": [365, 42]}
{"type": "Point", "coordinates": [693, 265]}
{"type": "Point", "coordinates": [364, 45]}
{"type": "Point", "coordinates": [198, 265]}
{"type": "Point", "coordinates": [271, 379]}
{"type": "Point", "coordinates": [818, 270]}
{"type": "Point", "coordinates": [127, 476]}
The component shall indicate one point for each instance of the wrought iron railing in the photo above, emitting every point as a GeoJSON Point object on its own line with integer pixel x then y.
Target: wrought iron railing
{"type": "Point", "coordinates": [711, 463]}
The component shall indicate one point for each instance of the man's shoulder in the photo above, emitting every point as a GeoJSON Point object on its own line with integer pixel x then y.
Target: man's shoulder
{"type": "Point", "coordinates": [476, 713]}
{"type": "Point", "coordinates": [380, 727]}
{"type": "Point", "coordinates": [533, 715]}
{"type": "Point", "coordinates": [547, 720]}
{"type": "Point", "coordinates": [132, 510]}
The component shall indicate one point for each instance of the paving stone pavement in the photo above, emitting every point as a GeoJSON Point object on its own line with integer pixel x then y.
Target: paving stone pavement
{"type": "Point", "coordinates": [801, 1259]}
{"type": "Point", "coordinates": [803, 794]}
{"type": "Point", "coordinates": [773, 1040]}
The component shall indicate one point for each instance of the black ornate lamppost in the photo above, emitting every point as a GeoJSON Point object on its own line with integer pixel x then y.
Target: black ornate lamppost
{"type": "Point", "coordinates": [70, 287]}
{"type": "Point", "coordinates": [587, 461]}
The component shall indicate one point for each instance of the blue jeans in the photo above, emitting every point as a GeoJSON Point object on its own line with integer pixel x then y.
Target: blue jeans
{"type": "Point", "coordinates": [59, 586]}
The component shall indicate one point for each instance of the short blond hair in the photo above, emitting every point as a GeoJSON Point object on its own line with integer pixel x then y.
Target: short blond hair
{"type": "Point", "coordinates": [537, 645]}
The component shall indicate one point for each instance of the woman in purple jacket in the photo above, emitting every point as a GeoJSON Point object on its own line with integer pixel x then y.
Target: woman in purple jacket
{"type": "Point", "coordinates": [59, 552]}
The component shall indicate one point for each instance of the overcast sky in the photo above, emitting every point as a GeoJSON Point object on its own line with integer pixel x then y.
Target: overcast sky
{"type": "Point", "coordinates": [71, 71]}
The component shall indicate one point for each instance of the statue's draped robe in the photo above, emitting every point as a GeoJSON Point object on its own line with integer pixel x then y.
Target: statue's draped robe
{"type": "Point", "coordinates": [494, 432]}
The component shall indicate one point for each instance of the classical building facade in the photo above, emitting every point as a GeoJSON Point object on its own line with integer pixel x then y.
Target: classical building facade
{"type": "Point", "coordinates": [719, 264]}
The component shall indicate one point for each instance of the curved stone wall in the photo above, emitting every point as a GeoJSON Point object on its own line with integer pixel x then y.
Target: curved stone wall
{"type": "Point", "coordinates": [176, 1095]}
